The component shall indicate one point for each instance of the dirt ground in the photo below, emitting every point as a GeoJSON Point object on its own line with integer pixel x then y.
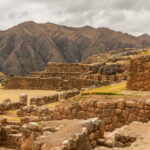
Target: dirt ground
{"type": "Point", "coordinates": [139, 130]}
{"type": "Point", "coordinates": [2, 148]}
{"type": "Point", "coordinates": [14, 94]}
{"type": "Point", "coordinates": [66, 129]}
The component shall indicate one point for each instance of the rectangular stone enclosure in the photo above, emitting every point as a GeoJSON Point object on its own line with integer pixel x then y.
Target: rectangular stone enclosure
{"type": "Point", "coordinates": [56, 76]}
{"type": "Point", "coordinates": [139, 74]}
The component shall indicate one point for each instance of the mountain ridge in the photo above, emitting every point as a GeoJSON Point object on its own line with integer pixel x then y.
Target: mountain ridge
{"type": "Point", "coordinates": [28, 47]}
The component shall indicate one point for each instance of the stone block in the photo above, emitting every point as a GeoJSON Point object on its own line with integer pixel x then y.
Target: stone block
{"type": "Point", "coordinates": [132, 117]}
{"type": "Point", "coordinates": [121, 104]}
{"type": "Point", "coordinates": [131, 104]}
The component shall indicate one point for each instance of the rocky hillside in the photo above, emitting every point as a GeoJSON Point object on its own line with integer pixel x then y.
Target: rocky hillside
{"type": "Point", "coordinates": [120, 56]}
{"type": "Point", "coordinates": [29, 46]}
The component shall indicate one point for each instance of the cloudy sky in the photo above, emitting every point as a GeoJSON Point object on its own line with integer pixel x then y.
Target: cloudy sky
{"type": "Point", "coordinates": [132, 16]}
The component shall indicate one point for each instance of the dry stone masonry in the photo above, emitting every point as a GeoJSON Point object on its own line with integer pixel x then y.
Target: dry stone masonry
{"type": "Point", "coordinates": [29, 136]}
{"type": "Point", "coordinates": [10, 134]}
{"type": "Point", "coordinates": [92, 130]}
{"type": "Point", "coordinates": [66, 76]}
{"type": "Point", "coordinates": [53, 98]}
{"type": "Point", "coordinates": [7, 104]}
{"type": "Point", "coordinates": [115, 114]}
{"type": "Point", "coordinates": [139, 74]}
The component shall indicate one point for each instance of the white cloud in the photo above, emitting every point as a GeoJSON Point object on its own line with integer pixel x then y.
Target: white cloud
{"type": "Point", "coordinates": [130, 16]}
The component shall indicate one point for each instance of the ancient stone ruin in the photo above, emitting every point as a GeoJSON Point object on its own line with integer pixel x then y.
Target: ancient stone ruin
{"type": "Point", "coordinates": [7, 104]}
{"type": "Point", "coordinates": [115, 114]}
{"type": "Point", "coordinates": [65, 76]}
{"type": "Point", "coordinates": [139, 74]}
{"type": "Point", "coordinates": [78, 126]}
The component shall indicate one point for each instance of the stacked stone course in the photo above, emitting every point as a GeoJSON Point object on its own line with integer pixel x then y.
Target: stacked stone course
{"type": "Point", "coordinates": [66, 76]}
{"type": "Point", "coordinates": [10, 133]}
{"type": "Point", "coordinates": [29, 136]}
{"type": "Point", "coordinates": [48, 83]}
{"type": "Point", "coordinates": [8, 105]}
{"type": "Point", "coordinates": [67, 67]}
{"type": "Point", "coordinates": [114, 114]}
{"type": "Point", "coordinates": [33, 83]}
{"type": "Point", "coordinates": [139, 76]}
{"type": "Point", "coordinates": [92, 130]}
{"type": "Point", "coordinates": [53, 98]}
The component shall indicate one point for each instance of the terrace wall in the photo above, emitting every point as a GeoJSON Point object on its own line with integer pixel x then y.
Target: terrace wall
{"type": "Point", "coordinates": [139, 74]}
{"type": "Point", "coordinates": [115, 114]}
{"type": "Point", "coordinates": [66, 76]}
{"type": "Point", "coordinates": [43, 100]}
{"type": "Point", "coordinates": [33, 83]}
{"type": "Point", "coordinates": [67, 67]}
{"type": "Point", "coordinates": [63, 75]}
{"type": "Point", "coordinates": [48, 83]}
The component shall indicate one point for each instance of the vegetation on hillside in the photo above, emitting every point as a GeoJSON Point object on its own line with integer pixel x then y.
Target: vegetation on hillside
{"type": "Point", "coordinates": [117, 56]}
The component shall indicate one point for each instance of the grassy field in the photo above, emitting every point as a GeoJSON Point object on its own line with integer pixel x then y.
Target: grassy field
{"type": "Point", "coordinates": [14, 94]}
{"type": "Point", "coordinates": [113, 89]}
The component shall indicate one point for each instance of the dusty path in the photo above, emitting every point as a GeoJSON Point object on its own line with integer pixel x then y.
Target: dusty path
{"type": "Point", "coordinates": [67, 129]}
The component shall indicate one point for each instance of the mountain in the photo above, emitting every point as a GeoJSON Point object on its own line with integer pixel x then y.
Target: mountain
{"type": "Point", "coordinates": [145, 38]}
{"type": "Point", "coordinates": [28, 46]}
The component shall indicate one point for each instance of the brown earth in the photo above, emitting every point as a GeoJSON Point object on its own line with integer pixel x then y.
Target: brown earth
{"type": "Point", "coordinates": [28, 47]}
{"type": "Point", "coordinates": [137, 129]}
{"type": "Point", "coordinates": [13, 95]}
{"type": "Point", "coordinates": [67, 129]}
{"type": "Point", "coordinates": [2, 148]}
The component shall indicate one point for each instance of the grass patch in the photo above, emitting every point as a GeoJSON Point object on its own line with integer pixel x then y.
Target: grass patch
{"type": "Point", "coordinates": [145, 52]}
{"type": "Point", "coordinates": [113, 89]}
{"type": "Point", "coordinates": [108, 98]}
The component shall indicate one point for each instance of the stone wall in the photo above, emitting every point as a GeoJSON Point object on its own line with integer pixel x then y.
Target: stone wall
{"type": "Point", "coordinates": [7, 104]}
{"type": "Point", "coordinates": [33, 83]}
{"type": "Point", "coordinates": [43, 100]}
{"type": "Point", "coordinates": [92, 131]}
{"type": "Point", "coordinates": [10, 136]}
{"type": "Point", "coordinates": [66, 76]}
{"type": "Point", "coordinates": [113, 69]}
{"type": "Point", "coordinates": [63, 75]}
{"type": "Point", "coordinates": [107, 78]}
{"type": "Point", "coordinates": [48, 83]}
{"type": "Point", "coordinates": [139, 74]}
{"type": "Point", "coordinates": [67, 67]}
{"type": "Point", "coordinates": [115, 114]}
{"type": "Point", "coordinates": [30, 136]}
{"type": "Point", "coordinates": [103, 71]}
{"type": "Point", "coordinates": [7, 138]}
